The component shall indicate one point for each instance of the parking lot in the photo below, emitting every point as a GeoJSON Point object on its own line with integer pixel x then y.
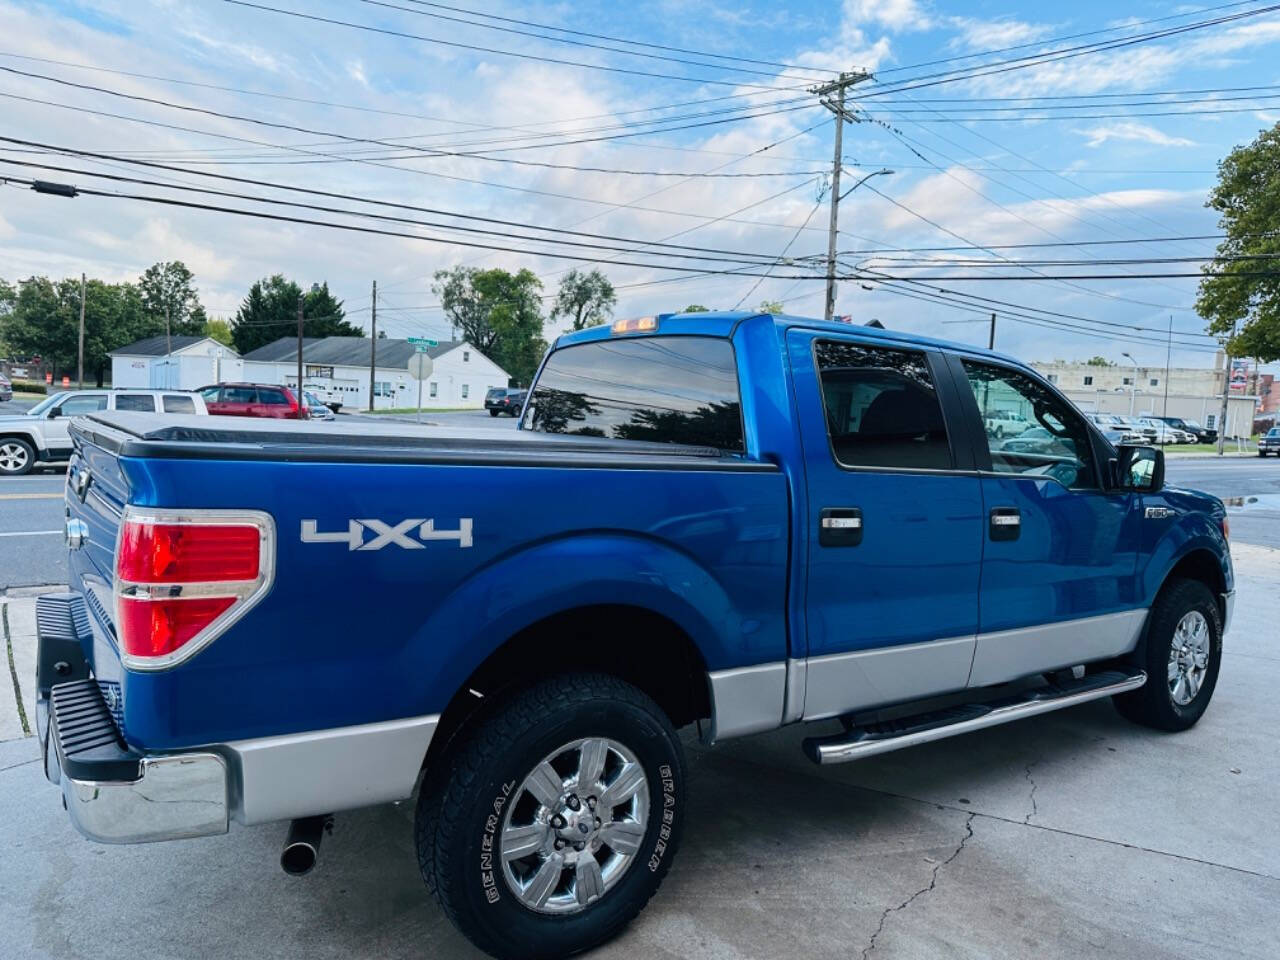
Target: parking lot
{"type": "Point", "coordinates": [1070, 835]}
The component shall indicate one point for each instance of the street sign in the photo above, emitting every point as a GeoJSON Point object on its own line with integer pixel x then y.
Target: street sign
{"type": "Point", "coordinates": [422, 344]}
{"type": "Point", "coordinates": [420, 366]}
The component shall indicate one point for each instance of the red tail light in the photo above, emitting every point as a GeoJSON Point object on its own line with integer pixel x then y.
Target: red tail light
{"type": "Point", "coordinates": [183, 577]}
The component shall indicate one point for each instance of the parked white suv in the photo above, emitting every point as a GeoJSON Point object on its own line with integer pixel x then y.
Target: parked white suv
{"type": "Point", "coordinates": [40, 435]}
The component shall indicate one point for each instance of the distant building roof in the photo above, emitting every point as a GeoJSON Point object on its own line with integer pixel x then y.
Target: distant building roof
{"type": "Point", "coordinates": [344, 351]}
{"type": "Point", "coordinates": [159, 346]}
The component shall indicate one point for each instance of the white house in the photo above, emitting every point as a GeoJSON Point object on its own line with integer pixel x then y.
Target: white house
{"type": "Point", "coordinates": [337, 369]}
{"type": "Point", "coordinates": [174, 363]}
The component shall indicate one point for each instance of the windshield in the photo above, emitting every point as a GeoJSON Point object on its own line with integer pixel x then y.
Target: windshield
{"type": "Point", "coordinates": [45, 404]}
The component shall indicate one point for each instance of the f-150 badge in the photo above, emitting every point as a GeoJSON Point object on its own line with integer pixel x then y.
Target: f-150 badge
{"type": "Point", "coordinates": [1160, 513]}
{"type": "Point", "coordinates": [408, 534]}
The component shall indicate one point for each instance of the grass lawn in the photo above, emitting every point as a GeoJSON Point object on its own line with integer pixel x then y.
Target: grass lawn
{"type": "Point", "coordinates": [1250, 448]}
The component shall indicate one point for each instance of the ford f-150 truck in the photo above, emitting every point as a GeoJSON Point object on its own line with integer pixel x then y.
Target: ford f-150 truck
{"type": "Point", "coordinates": [740, 521]}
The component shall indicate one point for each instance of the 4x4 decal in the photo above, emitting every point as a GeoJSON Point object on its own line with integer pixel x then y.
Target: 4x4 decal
{"type": "Point", "coordinates": [408, 534]}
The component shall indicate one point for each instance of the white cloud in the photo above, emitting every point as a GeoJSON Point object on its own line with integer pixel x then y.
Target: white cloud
{"type": "Point", "coordinates": [995, 34]}
{"type": "Point", "coordinates": [1134, 132]}
{"type": "Point", "coordinates": [895, 15]}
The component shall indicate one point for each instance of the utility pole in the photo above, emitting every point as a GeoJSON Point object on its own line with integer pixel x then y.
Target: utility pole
{"type": "Point", "coordinates": [1226, 395]}
{"type": "Point", "coordinates": [80, 351]}
{"type": "Point", "coordinates": [168, 349]}
{"type": "Point", "coordinates": [1168, 365]}
{"type": "Point", "coordinates": [373, 345]}
{"type": "Point", "coordinates": [824, 92]}
{"type": "Point", "coordinates": [299, 397]}
{"type": "Point", "coordinates": [991, 337]}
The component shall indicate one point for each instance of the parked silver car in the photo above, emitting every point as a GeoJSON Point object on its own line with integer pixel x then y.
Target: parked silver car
{"type": "Point", "coordinates": [41, 436]}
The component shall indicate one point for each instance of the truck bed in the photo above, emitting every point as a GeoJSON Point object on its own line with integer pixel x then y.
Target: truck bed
{"type": "Point", "coordinates": [369, 441]}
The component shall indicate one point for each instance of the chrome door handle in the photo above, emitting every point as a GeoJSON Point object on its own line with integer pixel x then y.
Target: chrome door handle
{"type": "Point", "coordinates": [840, 526]}
{"type": "Point", "coordinates": [1005, 524]}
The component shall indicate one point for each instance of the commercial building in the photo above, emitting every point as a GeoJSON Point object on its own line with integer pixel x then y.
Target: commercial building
{"type": "Point", "coordinates": [1193, 393]}
{"type": "Point", "coordinates": [337, 369]}
{"type": "Point", "coordinates": [174, 363]}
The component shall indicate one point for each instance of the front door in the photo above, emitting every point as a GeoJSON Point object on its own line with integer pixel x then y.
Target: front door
{"type": "Point", "coordinates": [57, 430]}
{"type": "Point", "coordinates": [1059, 566]}
{"type": "Point", "coordinates": [894, 528]}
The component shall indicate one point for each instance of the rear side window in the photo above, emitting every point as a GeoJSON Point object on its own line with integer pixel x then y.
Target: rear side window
{"type": "Point", "coordinates": [136, 401]}
{"type": "Point", "coordinates": [274, 398]}
{"type": "Point", "coordinates": [661, 389]}
{"type": "Point", "coordinates": [882, 408]}
{"type": "Point", "coordinates": [179, 404]}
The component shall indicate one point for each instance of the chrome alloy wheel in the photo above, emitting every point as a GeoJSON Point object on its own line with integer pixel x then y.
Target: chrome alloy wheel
{"type": "Point", "coordinates": [574, 825]}
{"type": "Point", "coordinates": [13, 457]}
{"type": "Point", "coordinates": [1188, 657]}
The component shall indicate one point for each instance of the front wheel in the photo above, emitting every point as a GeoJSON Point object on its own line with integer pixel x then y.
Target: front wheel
{"type": "Point", "coordinates": [548, 828]}
{"type": "Point", "coordinates": [1182, 657]}
{"type": "Point", "coordinates": [16, 457]}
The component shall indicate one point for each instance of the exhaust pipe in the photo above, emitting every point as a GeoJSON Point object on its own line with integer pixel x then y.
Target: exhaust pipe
{"type": "Point", "coordinates": [302, 845]}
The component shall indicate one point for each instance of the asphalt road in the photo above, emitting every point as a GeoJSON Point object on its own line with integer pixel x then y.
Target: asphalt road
{"type": "Point", "coordinates": [1250, 487]}
{"type": "Point", "coordinates": [1070, 836]}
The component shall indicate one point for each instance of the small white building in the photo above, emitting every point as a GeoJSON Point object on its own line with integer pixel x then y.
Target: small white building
{"type": "Point", "coordinates": [337, 370]}
{"type": "Point", "coordinates": [174, 363]}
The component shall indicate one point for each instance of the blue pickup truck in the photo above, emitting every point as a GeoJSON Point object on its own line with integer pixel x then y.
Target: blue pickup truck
{"type": "Point", "coordinates": [737, 521]}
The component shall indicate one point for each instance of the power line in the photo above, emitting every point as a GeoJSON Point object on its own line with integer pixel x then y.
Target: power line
{"type": "Point", "coordinates": [424, 151]}
{"type": "Point", "coordinates": [599, 36]}
{"type": "Point", "coordinates": [456, 44]}
{"type": "Point", "coordinates": [577, 43]}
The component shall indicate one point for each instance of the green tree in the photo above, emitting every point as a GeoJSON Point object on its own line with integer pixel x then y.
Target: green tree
{"type": "Point", "coordinates": [270, 311]}
{"type": "Point", "coordinates": [1098, 362]}
{"type": "Point", "coordinates": [696, 308]}
{"type": "Point", "coordinates": [8, 295]}
{"type": "Point", "coordinates": [586, 298]}
{"type": "Point", "coordinates": [219, 330]}
{"type": "Point", "coordinates": [770, 306]}
{"type": "Point", "coordinates": [1241, 297]}
{"type": "Point", "coordinates": [169, 292]}
{"type": "Point", "coordinates": [44, 321]}
{"type": "Point", "coordinates": [497, 312]}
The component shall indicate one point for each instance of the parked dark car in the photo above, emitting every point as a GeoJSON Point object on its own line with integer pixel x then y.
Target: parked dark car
{"type": "Point", "coordinates": [251, 400]}
{"type": "Point", "coordinates": [6, 388]}
{"type": "Point", "coordinates": [1269, 442]}
{"type": "Point", "coordinates": [500, 400]}
{"type": "Point", "coordinates": [1202, 434]}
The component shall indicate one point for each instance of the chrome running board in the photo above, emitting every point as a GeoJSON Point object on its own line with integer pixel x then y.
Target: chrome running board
{"type": "Point", "coordinates": [867, 741]}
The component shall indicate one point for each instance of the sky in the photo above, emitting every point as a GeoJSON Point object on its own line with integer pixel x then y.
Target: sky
{"type": "Point", "coordinates": [691, 126]}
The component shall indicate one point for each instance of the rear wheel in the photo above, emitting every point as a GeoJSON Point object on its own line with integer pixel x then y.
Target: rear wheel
{"type": "Point", "coordinates": [548, 829]}
{"type": "Point", "coordinates": [16, 456]}
{"type": "Point", "coordinates": [1182, 656]}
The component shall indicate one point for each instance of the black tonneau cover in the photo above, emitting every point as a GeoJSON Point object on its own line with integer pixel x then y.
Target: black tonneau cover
{"type": "Point", "coordinates": [128, 434]}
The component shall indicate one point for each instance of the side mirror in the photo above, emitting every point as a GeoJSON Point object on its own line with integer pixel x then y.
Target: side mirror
{"type": "Point", "coordinates": [1140, 469]}
{"type": "Point", "coordinates": [53, 414]}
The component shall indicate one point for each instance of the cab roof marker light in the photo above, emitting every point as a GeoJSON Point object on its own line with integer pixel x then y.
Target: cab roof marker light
{"type": "Point", "coordinates": [635, 325]}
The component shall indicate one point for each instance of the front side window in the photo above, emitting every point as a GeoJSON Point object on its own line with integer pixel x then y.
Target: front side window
{"type": "Point", "coordinates": [881, 406]}
{"type": "Point", "coordinates": [77, 405]}
{"type": "Point", "coordinates": [1055, 442]}
{"type": "Point", "coordinates": [136, 401]}
{"type": "Point", "coordinates": [175, 403]}
{"type": "Point", "coordinates": [660, 389]}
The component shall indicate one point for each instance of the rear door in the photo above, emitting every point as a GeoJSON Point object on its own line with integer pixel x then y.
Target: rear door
{"type": "Point", "coordinates": [894, 524]}
{"type": "Point", "coordinates": [274, 403]}
{"type": "Point", "coordinates": [1060, 556]}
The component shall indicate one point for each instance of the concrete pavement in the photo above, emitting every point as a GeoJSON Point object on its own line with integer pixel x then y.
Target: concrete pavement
{"type": "Point", "coordinates": [1072, 835]}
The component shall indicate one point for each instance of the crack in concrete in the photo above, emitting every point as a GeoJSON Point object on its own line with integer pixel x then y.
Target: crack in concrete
{"type": "Point", "coordinates": [933, 882]}
{"type": "Point", "coordinates": [13, 672]}
{"type": "Point", "coordinates": [1032, 780]}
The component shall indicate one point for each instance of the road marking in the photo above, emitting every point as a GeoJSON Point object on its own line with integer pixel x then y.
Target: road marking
{"type": "Point", "coordinates": [30, 496]}
{"type": "Point", "coordinates": [32, 533]}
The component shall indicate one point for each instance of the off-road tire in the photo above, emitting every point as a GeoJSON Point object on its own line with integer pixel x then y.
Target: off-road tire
{"type": "Point", "coordinates": [462, 803]}
{"type": "Point", "coordinates": [1152, 705]}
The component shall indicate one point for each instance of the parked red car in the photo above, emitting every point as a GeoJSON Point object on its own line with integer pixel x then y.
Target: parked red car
{"type": "Point", "coordinates": [251, 400]}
